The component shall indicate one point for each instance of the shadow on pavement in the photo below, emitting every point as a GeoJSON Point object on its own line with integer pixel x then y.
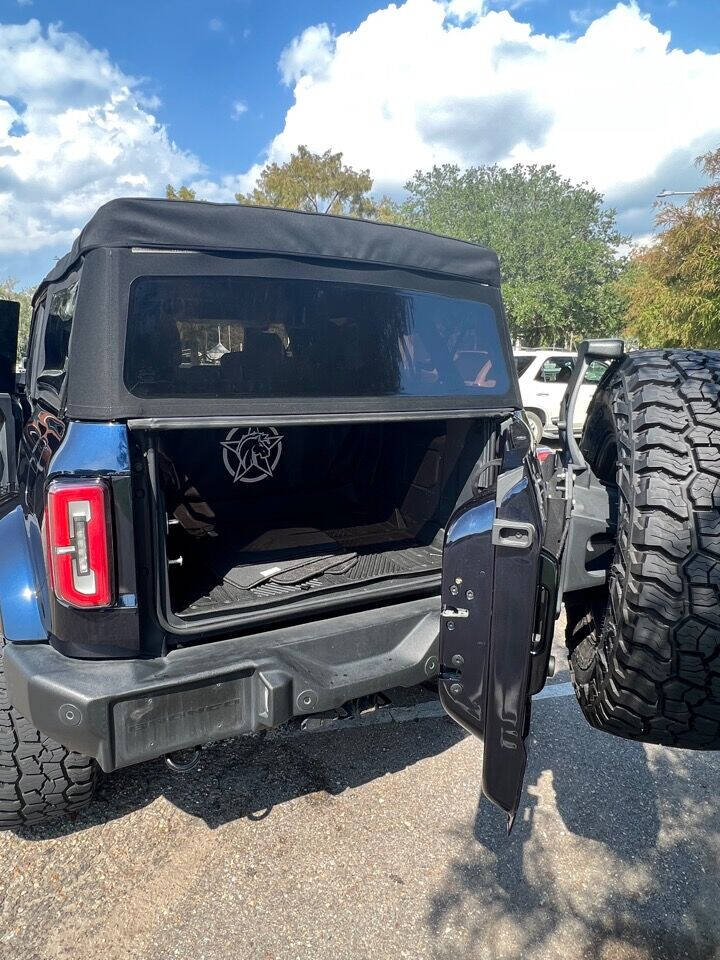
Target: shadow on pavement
{"type": "Point", "coordinates": [249, 776]}
{"type": "Point", "coordinates": [614, 855]}
{"type": "Point", "coordinates": [628, 870]}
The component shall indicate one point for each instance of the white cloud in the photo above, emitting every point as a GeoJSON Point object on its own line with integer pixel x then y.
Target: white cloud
{"type": "Point", "coordinates": [216, 25]}
{"type": "Point", "coordinates": [238, 109]}
{"type": "Point", "coordinates": [417, 83]}
{"type": "Point", "coordinates": [465, 10]}
{"type": "Point", "coordinates": [434, 81]}
{"type": "Point", "coordinates": [307, 55]}
{"type": "Point", "coordinates": [75, 131]}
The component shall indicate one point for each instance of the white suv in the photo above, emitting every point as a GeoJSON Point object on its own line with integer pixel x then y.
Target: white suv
{"type": "Point", "coordinates": [543, 376]}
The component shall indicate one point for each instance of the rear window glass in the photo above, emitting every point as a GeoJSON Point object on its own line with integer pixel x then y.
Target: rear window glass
{"type": "Point", "coordinates": [269, 337]}
{"type": "Point", "coordinates": [522, 363]}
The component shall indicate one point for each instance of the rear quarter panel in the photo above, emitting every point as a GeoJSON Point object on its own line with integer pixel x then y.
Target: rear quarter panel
{"type": "Point", "coordinates": [50, 449]}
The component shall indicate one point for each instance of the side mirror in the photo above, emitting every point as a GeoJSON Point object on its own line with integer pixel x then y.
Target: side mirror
{"type": "Point", "coordinates": [9, 328]}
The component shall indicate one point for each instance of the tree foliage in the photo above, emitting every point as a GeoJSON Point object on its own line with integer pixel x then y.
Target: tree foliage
{"type": "Point", "coordinates": [9, 291]}
{"type": "Point", "coordinates": [182, 193]}
{"type": "Point", "coordinates": [672, 289]}
{"type": "Point", "coordinates": [558, 245]}
{"type": "Point", "coordinates": [316, 183]}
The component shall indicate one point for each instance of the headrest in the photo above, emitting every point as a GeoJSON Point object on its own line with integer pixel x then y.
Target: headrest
{"type": "Point", "coordinates": [262, 347]}
{"type": "Point", "coordinates": [231, 367]}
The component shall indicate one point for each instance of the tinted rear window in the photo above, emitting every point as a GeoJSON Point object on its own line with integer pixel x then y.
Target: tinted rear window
{"type": "Point", "coordinates": [269, 337]}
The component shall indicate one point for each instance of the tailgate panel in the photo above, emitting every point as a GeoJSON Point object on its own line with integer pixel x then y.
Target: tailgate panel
{"type": "Point", "coordinates": [489, 597]}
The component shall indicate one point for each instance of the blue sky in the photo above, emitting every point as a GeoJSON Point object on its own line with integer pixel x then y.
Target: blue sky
{"type": "Point", "coordinates": [208, 100]}
{"type": "Point", "coordinates": [199, 59]}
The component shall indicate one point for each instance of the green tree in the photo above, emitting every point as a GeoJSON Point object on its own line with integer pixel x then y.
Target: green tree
{"type": "Point", "coordinates": [558, 245]}
{"type": "Point", "coordinates": [182, 193]}
{"type": "Point", "coordinates": [672, 289]}
{"type": "Point", "coordinates": [316, 183]}
{"type": "Point", "coordinates": [9, 291]}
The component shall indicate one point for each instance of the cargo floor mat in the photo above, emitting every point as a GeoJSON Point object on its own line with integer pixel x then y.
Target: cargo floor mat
{"type": "Point", "coordinates": [270, 567]}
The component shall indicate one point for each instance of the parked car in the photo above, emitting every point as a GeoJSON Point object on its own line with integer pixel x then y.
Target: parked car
{"type": "Point", "coordinates": [346, 500]}
{"type": "Point", "coordinates": [544, 376]}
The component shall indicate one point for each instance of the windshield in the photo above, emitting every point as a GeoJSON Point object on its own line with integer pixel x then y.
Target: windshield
{"type": "Point", "coordinates": [270, 337]}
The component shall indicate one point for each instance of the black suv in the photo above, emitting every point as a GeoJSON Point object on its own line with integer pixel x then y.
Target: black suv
{"type": "Point", "coordinates": [265, 462]}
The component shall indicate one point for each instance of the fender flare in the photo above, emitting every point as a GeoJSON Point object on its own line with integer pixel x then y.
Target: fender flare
{"type": "Point", "coordinates": [23, 585]}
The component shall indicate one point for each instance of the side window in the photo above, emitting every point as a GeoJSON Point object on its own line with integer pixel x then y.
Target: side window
{"type": "Point", "coordinates": [51, 364]}
{"type": "Point", "coordinates": [556, 370]}
{"type": "Point", "coordinates": [595, 371]}
{"type": "Point", "coordinates": [32, 348]}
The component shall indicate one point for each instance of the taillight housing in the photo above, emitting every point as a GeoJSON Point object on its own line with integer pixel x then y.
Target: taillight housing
{"type": "Point", "coordinates": [78, 542]}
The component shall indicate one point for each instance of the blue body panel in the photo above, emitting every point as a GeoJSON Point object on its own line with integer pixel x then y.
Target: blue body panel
{"type": "Point", "coordinates": [50, 447]}
{"type": "Point", "coordinates": [93, 448]}
{"type": "Point", "coordinates": [23, 587]}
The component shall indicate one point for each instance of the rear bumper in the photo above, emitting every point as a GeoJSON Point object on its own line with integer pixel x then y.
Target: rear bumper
{"type": "Point", "coordinates": [126, 711]}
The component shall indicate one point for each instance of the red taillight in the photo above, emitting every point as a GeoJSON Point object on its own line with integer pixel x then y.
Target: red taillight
{"type": "Point", "coordinates": [78, 542]}
{"type": "Point", "coordinates": [542, 453]}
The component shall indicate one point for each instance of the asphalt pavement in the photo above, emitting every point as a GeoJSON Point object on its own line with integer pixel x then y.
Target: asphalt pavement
{"type": "Point", "coordinates": [370, 842]}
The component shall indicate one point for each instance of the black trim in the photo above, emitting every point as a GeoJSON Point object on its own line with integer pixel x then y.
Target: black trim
{"type": "Point", "coordinates": [304, 419]}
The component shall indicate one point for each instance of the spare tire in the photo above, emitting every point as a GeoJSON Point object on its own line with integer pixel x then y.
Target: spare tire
{"type": "Point", "coordinates": [645, 649]}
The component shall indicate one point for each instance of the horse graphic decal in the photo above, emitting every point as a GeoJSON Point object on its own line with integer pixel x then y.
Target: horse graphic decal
{"type": "Point", "coordinates": [252, 456]}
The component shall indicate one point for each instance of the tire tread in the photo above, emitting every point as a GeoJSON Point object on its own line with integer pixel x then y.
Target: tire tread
{"type": "Point", "coordinates": [39, 778]}
{"type": "Point", "coordinates": [645, 650]}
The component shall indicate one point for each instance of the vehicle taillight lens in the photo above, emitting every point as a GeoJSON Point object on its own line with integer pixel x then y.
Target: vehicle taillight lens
{"type": "Point", "coordinates": [542, 453]}
{"type": "Point", "coordinates": [78, 542]}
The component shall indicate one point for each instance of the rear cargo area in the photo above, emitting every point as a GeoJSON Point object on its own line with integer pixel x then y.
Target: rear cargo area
{"type": "Point", "coordinates": [261, 516]}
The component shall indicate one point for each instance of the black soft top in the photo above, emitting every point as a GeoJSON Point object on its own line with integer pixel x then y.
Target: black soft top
{"type": "Point", "coordinates": [235, 228]}
{"type": "Point", "coordinates": [130, 239]}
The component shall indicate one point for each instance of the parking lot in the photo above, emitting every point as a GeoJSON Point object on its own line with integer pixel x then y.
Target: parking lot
{"type": "Point", "coordinates": [370, 842]}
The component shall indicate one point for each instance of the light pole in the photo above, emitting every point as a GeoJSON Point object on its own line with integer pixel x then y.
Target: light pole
{"type": "Point", "coordinates": [676, 193]}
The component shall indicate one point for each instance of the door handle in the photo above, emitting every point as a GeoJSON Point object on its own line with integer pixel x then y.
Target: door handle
{"type": "Point", "coordinates": [512, 533]}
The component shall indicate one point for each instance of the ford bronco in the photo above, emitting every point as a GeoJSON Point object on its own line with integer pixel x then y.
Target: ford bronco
{"type": "Point", "coordinates": [263, 463]}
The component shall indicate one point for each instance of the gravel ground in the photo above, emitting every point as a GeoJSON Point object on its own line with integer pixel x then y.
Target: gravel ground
{"type": "Point", "coordinates": [370, 841]}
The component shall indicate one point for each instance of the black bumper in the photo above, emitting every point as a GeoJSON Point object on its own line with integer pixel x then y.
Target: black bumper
{"type": "Point", "coordinates": [125, 711]}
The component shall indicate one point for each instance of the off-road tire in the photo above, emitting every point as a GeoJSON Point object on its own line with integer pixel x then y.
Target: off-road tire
{"type": "Point", "coordinates": [645, 650]}
{"type": "Point", "coordinates": [39, 778]}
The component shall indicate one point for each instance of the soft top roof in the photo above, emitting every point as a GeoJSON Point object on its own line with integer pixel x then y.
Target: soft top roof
{"type": "Point", "coordinates": [233, 227]}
